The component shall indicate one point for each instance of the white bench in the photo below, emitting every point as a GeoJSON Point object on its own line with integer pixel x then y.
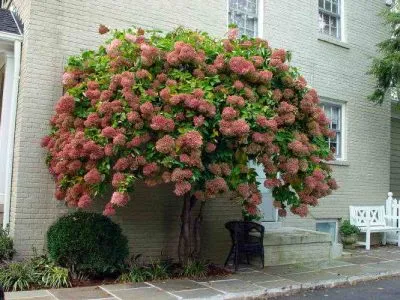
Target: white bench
{"type": "Point", "coordinates": [372, 219]}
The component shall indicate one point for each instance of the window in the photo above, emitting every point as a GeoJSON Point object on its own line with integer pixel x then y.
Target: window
{"type": "Point", "coordinates": [329, 17]}
{"type": "Point", "coordinates": [334, 114]}
{"type": "Point", "coordinates": [328, 226]}
{"type": "Point", "coordinates": [244, 13]}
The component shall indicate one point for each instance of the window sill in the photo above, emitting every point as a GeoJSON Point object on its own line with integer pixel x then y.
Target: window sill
{"type": "Point", "coordinates": [338, 162]}
{"type": "Point", "coordinates": [332, 41]}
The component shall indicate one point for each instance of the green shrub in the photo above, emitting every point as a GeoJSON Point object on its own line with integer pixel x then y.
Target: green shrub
{"type": "Point", "coordinates": [17, 276]}
{"type": "Point", "coordinates": [347, 229]}
{"type": "Point", "coordinates": [87, 243]}
{"type": "Point", "coordinates": [6, 245]}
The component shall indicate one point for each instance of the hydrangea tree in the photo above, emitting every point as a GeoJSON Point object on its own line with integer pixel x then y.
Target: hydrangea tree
{"type": "Point", "coordinates": [191, 110]}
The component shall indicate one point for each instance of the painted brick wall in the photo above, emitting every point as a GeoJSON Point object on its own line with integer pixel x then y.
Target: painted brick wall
{"type": "Point", "coordinates": [338, 72]}
{"type": "Point", "coordinates": [56, 29]}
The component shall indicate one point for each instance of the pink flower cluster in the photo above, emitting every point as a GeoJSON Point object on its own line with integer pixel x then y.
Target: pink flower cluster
{"type": "Point", "coordinates": [241, 66]}
{"type": "Point", "coordinates": [215, 186]}
{"type": "Point", "coordinates": [161, 123]}
{"type": "Point", "coordinates": [166, 144]}
{"type": "Point", "coordinates": [191, 140]}
{"type": "Point", "coordinates": [234, 128]}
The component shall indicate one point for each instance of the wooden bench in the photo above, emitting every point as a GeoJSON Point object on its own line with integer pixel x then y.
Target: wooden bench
{"type": "Point", "coordinates": [372, 219]}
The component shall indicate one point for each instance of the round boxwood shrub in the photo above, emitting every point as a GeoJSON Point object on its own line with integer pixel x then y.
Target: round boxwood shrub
{"type": "Point", "coordinates": [87, 243]}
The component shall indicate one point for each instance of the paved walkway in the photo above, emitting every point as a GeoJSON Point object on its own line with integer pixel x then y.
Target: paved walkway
{"type": "Point", "coordinates": [356, 266]}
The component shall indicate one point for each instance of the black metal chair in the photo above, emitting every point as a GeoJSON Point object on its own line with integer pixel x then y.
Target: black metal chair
{"type": "Point", "coordinates": [247, 238]}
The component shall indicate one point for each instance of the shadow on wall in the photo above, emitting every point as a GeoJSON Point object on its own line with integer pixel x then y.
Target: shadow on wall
{"type": "Point", "coordinates": [151, 222]}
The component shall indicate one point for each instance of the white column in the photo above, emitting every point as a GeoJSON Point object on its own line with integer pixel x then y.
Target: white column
{"type": "Point", "coordinates": [14, 70]}
{"type": "Point", "coordinates": [5, 125]}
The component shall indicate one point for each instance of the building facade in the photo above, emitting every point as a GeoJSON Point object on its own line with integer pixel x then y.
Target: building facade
{"type": "Point", "coordinates": [331, 42]}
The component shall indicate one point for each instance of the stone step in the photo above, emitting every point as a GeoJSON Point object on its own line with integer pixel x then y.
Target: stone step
{"type": "Point", "coordinates": [271, 225]}
{"type": "Point", "coordinates": [289, 245]}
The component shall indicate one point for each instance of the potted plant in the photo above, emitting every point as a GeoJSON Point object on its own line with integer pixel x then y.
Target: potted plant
{"type": "Point", "coordinates": [349, 234]}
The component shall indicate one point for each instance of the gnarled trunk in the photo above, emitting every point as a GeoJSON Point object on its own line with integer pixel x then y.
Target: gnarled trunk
{"type": "Point", "coordinates": [189, 238]}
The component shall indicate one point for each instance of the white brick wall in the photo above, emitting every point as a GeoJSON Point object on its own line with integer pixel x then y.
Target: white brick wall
{"type": "Point", "coordinates": [55, 29]}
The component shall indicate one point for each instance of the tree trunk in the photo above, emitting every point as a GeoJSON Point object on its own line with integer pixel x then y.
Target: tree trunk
{"type": "Point", "coordinates": [189, 237]}
{"type": "Point", "coordinates": [197, 231]}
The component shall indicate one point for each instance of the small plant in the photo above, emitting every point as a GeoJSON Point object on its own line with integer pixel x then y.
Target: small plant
{"type": "Point", "coordinates": [17, 276]}
{"type": "Point", "coordinates": [6, 245]}
{"type": "Point", "coordinates": [139, 272]}
{"type": "Point", "coordinates": [347, 229]}
{"type": "Point", "coordinates": [158, 270]}
{"type": "Point", "coordinates": [135, 274]}
{"type": "Point", "coordinates": [48, 274]}
{"type": "Point", "coordinates": [195, 268]}
{"type": "Point", "coordinates": [55, 277]}
{"type": "Point", "coordinates": [87, 244]}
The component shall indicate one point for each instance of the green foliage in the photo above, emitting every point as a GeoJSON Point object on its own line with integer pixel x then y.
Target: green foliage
{"type": "Point", "coordinates": [386, 67]}
{"type": "Point", "coordinates": [17, 276]}
{"type": "Point", "coordinates": [6, 245]}
{"type": "Point", "coordinates": [38, 272]}
{"type": "Point", "coordinates": [139, 272]}
{"type": "Point", "coordinates": [48, 274]}
{"type": "Point", "coordinates": [195, 269]}
{"type": "Point", "coordinates": [347, 229]}
{"type": "Point", "coordinates": [87, 243]}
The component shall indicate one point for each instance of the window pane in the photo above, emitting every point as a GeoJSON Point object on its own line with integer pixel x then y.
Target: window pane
{"type": "Point", "coordinates": [250, 33]}
{"type": "Point", "coordinates": [327, 5]}
{"type": "Point", "coordinates": [242, 5]}
{"type": "Point", "coordinates": [326, 24]}
{"type": "Point", "coordinates": [252, 7]}
{"type": "Point", "coordinates": [334, 8]}
{"type": "Point", "coordinates": [251, 24]}
{"type": "Point", "coordinates": [321, 3]}
{"type": "Point", "coordinates": [239, 19]}
{"type": "Point", "coordinates": [333, 22]}
{"type": "Point", "coordinates": [338, 144]}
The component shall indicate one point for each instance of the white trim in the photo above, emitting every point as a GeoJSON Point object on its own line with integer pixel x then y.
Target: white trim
{"type": "Point", "coordinates": [343, 37]}
{"type": "Point", "coordinates": [10, 36]}
{"type": "Point", "coordinates": [10, 140]}
{"type": "Point", "coordinates": [260, 18]}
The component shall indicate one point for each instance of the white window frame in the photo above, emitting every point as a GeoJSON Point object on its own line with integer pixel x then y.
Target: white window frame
{"type": "Point", "coordinates": [339, 19]}
{"type": "Point", "coordinates": [330, 220]}
{"type": "Point", "coordinates": [343, 129]}
{"type": "Point", "coordinates": [260, 18]}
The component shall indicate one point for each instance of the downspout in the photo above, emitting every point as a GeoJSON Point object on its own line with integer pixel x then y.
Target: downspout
{"type": "Point", "coordinates": [11, 136]}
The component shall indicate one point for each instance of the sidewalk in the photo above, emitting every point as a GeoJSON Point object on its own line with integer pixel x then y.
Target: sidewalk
{"type": "Point", "coordinates": [355, 266]}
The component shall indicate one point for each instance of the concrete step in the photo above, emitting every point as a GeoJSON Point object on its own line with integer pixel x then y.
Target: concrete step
{"type": "Point", "coordinates": [289, 245]}
{"type": "Point", "coordinates": [271, 225]}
